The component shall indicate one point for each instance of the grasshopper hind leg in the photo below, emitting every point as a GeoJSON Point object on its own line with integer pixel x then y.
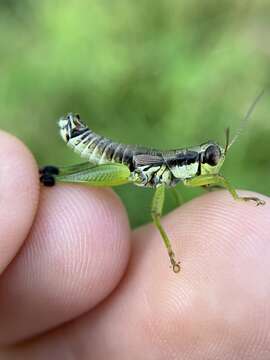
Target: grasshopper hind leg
{"type": "Point", "coordinates": [49, 173]}
{"type": "Point", "coordinates": [105, 175]}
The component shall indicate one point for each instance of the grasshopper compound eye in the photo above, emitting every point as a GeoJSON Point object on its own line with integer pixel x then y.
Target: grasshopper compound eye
{"type": "Point", "coordinates": [212, 155]}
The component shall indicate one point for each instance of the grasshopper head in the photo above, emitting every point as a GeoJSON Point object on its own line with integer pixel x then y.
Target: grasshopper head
{"type": "Point", "coordinates": [70, 126]}
{"type": "Point", "coordinates": [212, 158]}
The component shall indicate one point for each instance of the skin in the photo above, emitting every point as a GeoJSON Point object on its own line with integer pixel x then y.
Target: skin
{"type": "Point", "coordinates": [77, 283]}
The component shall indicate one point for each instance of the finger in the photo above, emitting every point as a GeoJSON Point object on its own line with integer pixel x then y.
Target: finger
{"type": "Point", "coordinates": [19, 191]}
{"type": "Point", "coordinates": [221, 296]}
{"type": "Point", "coordinates": [74, 256]}
{"type": "Point", "coordinates": [217, 307]}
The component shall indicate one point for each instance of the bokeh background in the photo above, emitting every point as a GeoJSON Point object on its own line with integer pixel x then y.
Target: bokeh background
{"type": "Point", "coordinates": [162, 73]}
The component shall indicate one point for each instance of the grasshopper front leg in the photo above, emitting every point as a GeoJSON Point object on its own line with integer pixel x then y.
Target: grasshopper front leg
{"type": "Point", "coordinates": [95, 175]}
{"type": "Point", "coordinates": [156, 211]}
{"type": "Point", "coordinates": [218, 180]}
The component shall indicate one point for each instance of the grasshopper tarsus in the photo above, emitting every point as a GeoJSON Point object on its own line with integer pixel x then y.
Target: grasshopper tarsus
{"type": "Point", "coordinates": [47, 175]}
{"type": "Point", "coordinates": [175, 264]}
{"type": "Point", "coordinates": [49, 170]}
{"type": "Point", "coordinates": [47, 180]}
{"type": "Point", "coordinates": [176, 267]}
{"type": "Point", "coordinates": [258, 201]}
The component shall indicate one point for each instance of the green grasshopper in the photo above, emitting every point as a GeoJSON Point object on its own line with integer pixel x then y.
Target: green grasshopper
{"type": "Point", "coordinates": [110, 163]}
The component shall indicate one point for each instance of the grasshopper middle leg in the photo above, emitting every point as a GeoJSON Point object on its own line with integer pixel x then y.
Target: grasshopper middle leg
{"type": "Point", "coordinates": [156, 211]}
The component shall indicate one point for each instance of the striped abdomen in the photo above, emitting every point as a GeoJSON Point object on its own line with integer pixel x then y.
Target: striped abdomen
{"type": "Point", "coordinates": [97, 149]}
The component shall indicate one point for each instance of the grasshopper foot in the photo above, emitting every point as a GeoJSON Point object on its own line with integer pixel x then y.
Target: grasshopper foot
{"type": "Point", "coordinates": [176, 267]}
{"type": "Point", "coordinates": [47, 175]}
{"type": "Point", "coordinates": [175, 264]}
{"type": "Point", "coordinates": [251, 198]}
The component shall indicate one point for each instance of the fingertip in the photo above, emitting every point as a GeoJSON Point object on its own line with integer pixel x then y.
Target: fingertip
{"type": "Point", "coordinates": [75, 255]}
{"type": "Point", "coordinates": [87, 230]}
{"type": "Point", "coordinates": [18, 195]}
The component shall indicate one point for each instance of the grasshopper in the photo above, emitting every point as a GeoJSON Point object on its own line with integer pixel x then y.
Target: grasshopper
{"type": "Point", "coordinates": [111, 163]}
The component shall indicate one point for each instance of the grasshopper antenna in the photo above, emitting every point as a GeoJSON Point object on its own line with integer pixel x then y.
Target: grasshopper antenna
{"type": "Point", "coordinates": [227, 141]}
{"type": "Point", "coordinates": [243, 123]}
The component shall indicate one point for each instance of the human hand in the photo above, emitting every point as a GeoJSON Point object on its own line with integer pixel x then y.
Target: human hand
{"type": "Point", "coordinates": [70, 288]}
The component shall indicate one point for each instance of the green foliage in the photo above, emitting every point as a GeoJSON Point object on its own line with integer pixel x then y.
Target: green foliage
{"type": "Point", "coordinates": [153, 72]}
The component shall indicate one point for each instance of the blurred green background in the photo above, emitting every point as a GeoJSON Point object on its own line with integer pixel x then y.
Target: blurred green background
{"type": "Point", "coordinates": [163, 73]}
